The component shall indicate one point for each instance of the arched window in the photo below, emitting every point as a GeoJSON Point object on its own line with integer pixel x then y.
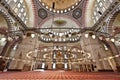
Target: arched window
{"type": "Point", "coordinates": [19, 7]}
{"type": "Point", "coordinates": [100, 7]}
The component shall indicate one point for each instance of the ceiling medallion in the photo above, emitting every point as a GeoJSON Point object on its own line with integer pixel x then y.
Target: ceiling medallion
{"type": "Point", "coordinates": [60, 6]}
{"type": "Point", "coordinates": [42, 13]}
{"type": "Point", "coordinates": [77, 13]}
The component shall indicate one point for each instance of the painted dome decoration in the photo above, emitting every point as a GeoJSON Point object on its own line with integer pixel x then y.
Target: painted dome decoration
{"type": "Point", "coordinates": [60, 6]}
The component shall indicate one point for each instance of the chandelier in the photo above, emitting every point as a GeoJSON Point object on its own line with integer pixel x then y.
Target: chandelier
{"type": "Point", "coordinates": [47, 35]}
{"type": "Point", "coordinates": [60, 29]}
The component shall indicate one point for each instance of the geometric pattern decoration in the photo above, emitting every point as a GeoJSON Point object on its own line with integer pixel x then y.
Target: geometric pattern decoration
{"type": "Point", "coordinates": [42, 13]}
{"type": "Point", "coordinates": [77, 13]}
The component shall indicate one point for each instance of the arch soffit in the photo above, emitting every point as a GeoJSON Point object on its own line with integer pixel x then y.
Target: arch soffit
{"type": "Point", "coordinates": [7, 18]}
{"type": "Point", "coordinates": [89, 12]}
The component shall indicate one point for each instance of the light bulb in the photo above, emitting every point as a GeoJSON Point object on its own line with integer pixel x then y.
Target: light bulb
{"type": "Point", "coordinates": [3, 39]}
{"type": "Point", "coordinates": [32, 35]}
{"type": "Point", "coordinates": [93, 36]}
{"type": "Point", "coordinates": [112, 39]}
{"type": "Point", "coordinates": [86, 35]}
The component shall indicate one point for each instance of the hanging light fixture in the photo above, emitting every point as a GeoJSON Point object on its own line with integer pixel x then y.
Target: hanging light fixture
{"type": "Point", "coordinates": [69, 34]}
{"type": "Point", "coordinates": [107, 39]}
{"type": "Point", "coordinates": [112, 39]}
{"type": "Point", "coordinates": [79, 35]}
{"type": "Point", "coordinates": [93, 36]}
{"type": "Point", "coordinates": [101, 37]}
{"type": "Point", "coordinates": [51, 35]}
{"type": "Point", "coordinates": [10, 39]}
{"type": "Point", "coordinates": [3, 39]}
{"type": "Point", "coordinates": [86, 35]}
{"type": "Point", "coordinates": [32, 35]}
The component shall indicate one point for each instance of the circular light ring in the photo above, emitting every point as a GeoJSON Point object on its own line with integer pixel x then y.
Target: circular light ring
{"type": "Point", "coordinates": [47, 39]}
{"type": "Point", "coordinates": [60, 11]}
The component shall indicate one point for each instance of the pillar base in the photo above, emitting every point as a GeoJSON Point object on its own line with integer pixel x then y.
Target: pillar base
{"type": "Point", "coordinates": [118, 68]}
{"type": "Point", "coordinates": [105, 70]}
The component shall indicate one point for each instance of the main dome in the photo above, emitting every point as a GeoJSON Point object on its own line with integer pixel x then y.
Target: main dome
{"type": "Point", "coordinates": [60, 6]}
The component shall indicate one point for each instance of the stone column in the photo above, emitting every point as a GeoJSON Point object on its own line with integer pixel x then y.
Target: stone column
{"type": "Point", "coordinates": [50, 65]}
{"type": "Point", "coordinates": [114, 52]}
{"type": "Point", "coordinates": [69, 64]}
{"type": "Point", "coordinates": [112, 64]}
{"type": "Point", "coordinates": [106, 65]}
{"type": "Point", "coordinates": [12, 55]}
{"type": "Point", "coordinates": [103, 54]}
{"type": "Point", "coordinates": [92, 45]}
